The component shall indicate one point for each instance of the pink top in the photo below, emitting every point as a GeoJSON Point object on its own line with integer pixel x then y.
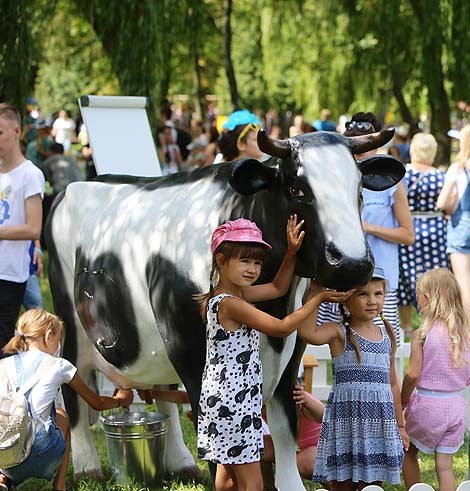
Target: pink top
{"type": "Point", "coordinates": [438, 372]}
{"type": "Point", "coordinates": [309, 430]}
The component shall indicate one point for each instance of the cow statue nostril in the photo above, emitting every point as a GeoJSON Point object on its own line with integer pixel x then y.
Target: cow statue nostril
{"type": "Point", "coordinates": [333, 256]}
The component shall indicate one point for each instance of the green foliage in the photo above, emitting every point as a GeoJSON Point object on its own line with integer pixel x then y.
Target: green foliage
{"type": "Point", "coordinates": [404, 56]}
{"type": "Point", "coordinates": [73, 62]}
{"type": "Point", "coordinates": [15, 53]}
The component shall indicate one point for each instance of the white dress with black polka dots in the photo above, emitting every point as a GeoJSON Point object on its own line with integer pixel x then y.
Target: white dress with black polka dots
{"type": "Point", "coordinates": [229, 418]}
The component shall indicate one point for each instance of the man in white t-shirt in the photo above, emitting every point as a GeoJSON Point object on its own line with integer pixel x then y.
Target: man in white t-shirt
{"type": "Point", "coordinates": [21, 191]}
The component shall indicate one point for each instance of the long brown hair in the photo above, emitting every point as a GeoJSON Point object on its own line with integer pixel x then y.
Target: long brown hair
{"type": "Point", "coordinates": [229, 250]}
{"type": "Point", "coordinates": [353, 340]}
{"type": "Point", "coordinates": [444, 303]}
{"type": "Point", "coordinates": [32, 324]}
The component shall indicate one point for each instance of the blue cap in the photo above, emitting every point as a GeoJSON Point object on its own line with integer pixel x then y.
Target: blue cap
{"type": "Point", "coordinates": [378, 274]}
{"type": "Point", "coordinates": [240, 117]}
{"type": "Point", "coordinates": [454, 134]}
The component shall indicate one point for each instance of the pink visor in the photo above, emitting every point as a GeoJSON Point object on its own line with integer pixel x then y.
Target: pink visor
{"type": "Point", "coordinates": [241, 230]}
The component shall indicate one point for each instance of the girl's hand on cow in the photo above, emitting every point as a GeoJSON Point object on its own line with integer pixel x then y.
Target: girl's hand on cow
{"type": "Point", "coordinates": [329, 295]}
{"type": "Point", "coordinates": [294, 235]}
{"type": "Point", "coordinates": [146, 395]}
{"type": "Point", "coordinates": [298, 394]}
{"type": "Point", "coordinates": [125, 396]}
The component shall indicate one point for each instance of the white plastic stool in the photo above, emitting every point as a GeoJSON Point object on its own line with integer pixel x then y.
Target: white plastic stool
{"type": "Point", "coordinates": [464, 486]}
{"type": "Point", "coordinates": [373, 487]}
{"type": "Point", "coordinates": [421, 486]}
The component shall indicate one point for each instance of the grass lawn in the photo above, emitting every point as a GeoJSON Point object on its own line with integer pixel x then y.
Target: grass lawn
{"type": "Point", "coordinates": [427, 462]}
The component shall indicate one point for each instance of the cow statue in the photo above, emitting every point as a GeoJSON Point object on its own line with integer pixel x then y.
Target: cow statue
{"type": "Point", "coordinates": [127, 254]}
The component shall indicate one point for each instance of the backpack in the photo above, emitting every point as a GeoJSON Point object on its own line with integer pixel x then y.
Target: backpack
{"type": "Point", "coordinates": [17, 427]}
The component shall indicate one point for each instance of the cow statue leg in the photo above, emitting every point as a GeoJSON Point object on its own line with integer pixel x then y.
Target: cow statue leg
{"type": "Point", "coordinates": [84, 456]}
{"type": "Point", "coordinates": [179, 460]}
{"type": "Point", "coordinates": [285, 448]}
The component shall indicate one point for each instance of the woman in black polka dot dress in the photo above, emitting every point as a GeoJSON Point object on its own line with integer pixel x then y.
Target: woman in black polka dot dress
{"type": "Point", "coordinates": [424, 183]}
{"type": "Point", "coordinates": [229, 415]}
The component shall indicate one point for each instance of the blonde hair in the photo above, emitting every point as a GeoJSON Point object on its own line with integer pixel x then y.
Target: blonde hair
{"type": "Point", "coordinates": [423, 148]}
{"type": "Point", "coordinates": [32, 324]}
{"type": "Point", "coordinates": [464, 153]}
{"type": "Point", "coordinates": [353, 340]}
{"type": "Point", "coordinates": [444, 303]}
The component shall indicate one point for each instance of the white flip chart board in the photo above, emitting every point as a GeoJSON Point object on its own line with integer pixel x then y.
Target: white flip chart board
{"type": "Point", "coordinates": [120, 136]}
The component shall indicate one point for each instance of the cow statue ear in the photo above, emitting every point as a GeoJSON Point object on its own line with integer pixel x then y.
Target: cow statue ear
{"type": "Point", "coordinates": [248, 176]}
{"type": "Point", "coordinates": [381, 172]}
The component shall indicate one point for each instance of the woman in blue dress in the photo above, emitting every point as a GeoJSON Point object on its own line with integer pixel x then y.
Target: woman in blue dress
{"type": "Point", "coordinates": [424, 183]}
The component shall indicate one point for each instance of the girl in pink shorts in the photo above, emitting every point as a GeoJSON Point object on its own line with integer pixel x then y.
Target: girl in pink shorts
{"type": "Point", "coordinates": [439, 370]}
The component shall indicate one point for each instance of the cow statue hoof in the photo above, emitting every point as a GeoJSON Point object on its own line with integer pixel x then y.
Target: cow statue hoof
{"type": "Point", "coordinates": [188, 474]}
{"type": "Point", "coordinates": [95, 475]}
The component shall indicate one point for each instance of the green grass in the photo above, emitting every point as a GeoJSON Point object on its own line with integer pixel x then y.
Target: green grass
{"type": "Point", "coordinates": [107, 484]}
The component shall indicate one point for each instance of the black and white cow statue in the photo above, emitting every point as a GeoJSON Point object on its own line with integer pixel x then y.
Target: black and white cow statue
{"type": "Point", "coordinates": [127, 254]}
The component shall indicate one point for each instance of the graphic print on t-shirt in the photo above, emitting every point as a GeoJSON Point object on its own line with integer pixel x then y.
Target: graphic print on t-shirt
{"type": "Point", "coordinates": [4, 205]}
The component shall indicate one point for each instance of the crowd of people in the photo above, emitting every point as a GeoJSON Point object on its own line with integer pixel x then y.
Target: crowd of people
{"type": "Point", "coordinates": [371, 429]}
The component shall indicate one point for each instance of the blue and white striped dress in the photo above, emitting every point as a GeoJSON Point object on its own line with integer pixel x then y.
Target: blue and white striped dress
{"type": "Point", "coordinates": [359, 439]}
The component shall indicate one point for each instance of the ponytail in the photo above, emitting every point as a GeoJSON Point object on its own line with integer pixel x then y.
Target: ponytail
{"type": "Point", "coordinates": [390, 332]}
{"type": "Point", "coordinates": [203, 298]}
{"type": "Point", "coordinates": [32, 324]}
{"type": "Point", "coordinates": [349, 334]}
{"type": "Point", "coordinates": [16, 344]}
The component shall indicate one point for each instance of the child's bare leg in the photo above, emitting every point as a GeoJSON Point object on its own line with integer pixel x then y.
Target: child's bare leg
{"type": "Point", "coordinates": [445, 473]}
{"type": "Point", "coordinates": [306, 461]}
{"type": "Point", "coordinates": [248, 476]}
{"type": "Point", "coordinates": [62, 421]}
{"type": "Point", "coordinates": [343, 486]}
{"type": "Point", "coordinates": [266, 464]}
{"type": "Point", "coordinates": [225, 478]}
{"type": "Point", "coordinates": [411, 472]}
{"type": "Point", "coordinates": [267, 472]}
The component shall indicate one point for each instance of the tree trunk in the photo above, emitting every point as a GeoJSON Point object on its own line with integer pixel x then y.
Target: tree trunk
{"type": "Point", "coordinates": [429, 15]}
{"type": "Point", "coordinates": [228, 56]}
{"type": "Point", "coordinates": [194, 22]}
{"type": "Point", "coordinates": [404, 108]}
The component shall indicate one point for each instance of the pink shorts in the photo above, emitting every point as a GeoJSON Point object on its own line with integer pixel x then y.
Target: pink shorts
{"type": "Point", "coordinates": [435, 422]}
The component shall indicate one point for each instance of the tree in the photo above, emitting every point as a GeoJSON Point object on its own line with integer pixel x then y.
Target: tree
{"type": "Point", "coordinates": [72, 63]}
{"type": "Point", "coordinates": [228, 56]}
{"type": "Point", "coordinates": [431, 13]}
{"type": "Point", "coordinates": [15, 53]}
{"type": "Point", "coordinates": [132, 36]}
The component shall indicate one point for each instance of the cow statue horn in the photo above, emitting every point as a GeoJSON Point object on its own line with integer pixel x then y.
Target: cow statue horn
{"type": "Point", "coordinates": [364, 143]}
{"type": "Point", "coordinates": [275, 148]}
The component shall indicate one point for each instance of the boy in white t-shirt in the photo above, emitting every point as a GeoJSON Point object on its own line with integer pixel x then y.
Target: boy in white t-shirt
{"type": "Point", "coordinates": [21, 191]}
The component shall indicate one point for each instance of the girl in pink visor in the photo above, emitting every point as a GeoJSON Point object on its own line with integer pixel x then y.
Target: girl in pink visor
{"type": "Point", "coordinates": [229, 417]}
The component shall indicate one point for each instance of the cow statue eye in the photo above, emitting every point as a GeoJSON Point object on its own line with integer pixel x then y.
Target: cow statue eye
{"type": "Point", "coordinates": [296, 192]}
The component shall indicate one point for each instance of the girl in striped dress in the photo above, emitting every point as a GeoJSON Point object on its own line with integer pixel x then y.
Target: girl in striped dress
{"type": "Point", "coordinates": [362, 436]}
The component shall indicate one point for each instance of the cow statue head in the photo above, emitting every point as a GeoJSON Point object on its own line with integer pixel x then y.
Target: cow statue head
{"type": "Point", "coordinates": [321, 181]}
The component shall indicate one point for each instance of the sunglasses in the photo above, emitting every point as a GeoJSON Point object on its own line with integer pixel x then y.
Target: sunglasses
{"type": "Point", "coordinates": [246, 129]}
{"type": "Point", "coordinates": [362, 126]}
